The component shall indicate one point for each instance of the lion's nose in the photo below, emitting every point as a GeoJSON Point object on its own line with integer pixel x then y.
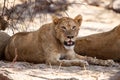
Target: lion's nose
{"type": "Point", "coordinates": [70, 37]}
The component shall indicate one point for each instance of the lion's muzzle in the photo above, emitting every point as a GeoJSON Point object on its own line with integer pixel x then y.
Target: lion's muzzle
{"type": "Point", "coordinates": [69, 43]}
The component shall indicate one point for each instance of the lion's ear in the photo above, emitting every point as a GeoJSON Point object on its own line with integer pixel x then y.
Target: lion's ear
{"type": "Point", "coordinates": [78, 19]}
{"type": "Point", "coordinates": [55, 19]}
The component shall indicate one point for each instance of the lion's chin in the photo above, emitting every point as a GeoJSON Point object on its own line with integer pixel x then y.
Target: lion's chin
{"type": "Point", "coordinates": [69, 47]}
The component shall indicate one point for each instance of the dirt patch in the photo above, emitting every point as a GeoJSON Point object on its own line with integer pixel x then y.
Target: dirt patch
{"type": "Point", "coordinates": [29, 71]}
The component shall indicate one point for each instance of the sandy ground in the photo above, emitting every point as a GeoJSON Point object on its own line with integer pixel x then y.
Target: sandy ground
{"type": "Point", "coordinates": [95, 20]}
{"type": "Point", "coordinates": [29, 71]}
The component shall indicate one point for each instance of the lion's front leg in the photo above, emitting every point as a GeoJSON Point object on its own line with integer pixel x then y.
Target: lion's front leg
{"type": "Point", "coordinates": [74, 62]}
{"type": "Point", "coordinates": [95, 61]}
{"type": "Point", "coordinates": [54, 59]}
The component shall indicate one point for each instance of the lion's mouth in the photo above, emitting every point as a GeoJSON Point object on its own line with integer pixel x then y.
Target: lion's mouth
{"type": "Point", "coordinates": [69, 43]}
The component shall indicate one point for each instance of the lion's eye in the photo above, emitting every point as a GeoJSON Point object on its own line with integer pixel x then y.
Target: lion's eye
{"type": "Point", "coordinates": [63, 27]}
{"type": "Point", "coordinates": [73, 28]}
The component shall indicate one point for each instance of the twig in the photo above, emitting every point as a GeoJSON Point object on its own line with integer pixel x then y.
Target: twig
{"type": "Point", "coordinates": [13, 3]}
{"type": "Point", "coordinates": [66, 13]}
{"type": "Point", "coordinates": [59, 67]}
{"type": "Point", "coordinates": [84, 67]}
{"type": "Point", "coordinates": [50, 65]}
{"type": "Point", "coordinates": [16, 55]}
{"type": "Point", "coordinates": [3, 8]}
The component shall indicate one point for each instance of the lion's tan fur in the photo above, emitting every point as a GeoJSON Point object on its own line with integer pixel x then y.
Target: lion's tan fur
{"type": "Point", "coordinates": [104, 45]}
{"type": "Point", "coordinates": [4, 37]}
{"type": "Point", "coordinates": [46, 44]}
{"type": "Point", "coordinates": [53, 44]}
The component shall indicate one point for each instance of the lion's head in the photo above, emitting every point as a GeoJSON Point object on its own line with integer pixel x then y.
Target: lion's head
{"type": "Point", "coordinates": [67, 29]}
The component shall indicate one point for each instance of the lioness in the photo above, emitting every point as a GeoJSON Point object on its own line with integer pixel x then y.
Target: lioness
{"type": "Point", "coordinates": [4, 37]}
{"type": "Point", "coordinates": [104, 45]}
{"type": "Point", "coordinates": [53, 44]}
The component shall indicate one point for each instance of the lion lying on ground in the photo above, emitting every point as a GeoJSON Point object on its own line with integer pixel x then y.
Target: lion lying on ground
{"type": "Point", "coordinates": [4, 37]}
{"type": "Point", "coordinates": [53, 44]}
{"type": "Point", "coordinates": [104, 45]}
